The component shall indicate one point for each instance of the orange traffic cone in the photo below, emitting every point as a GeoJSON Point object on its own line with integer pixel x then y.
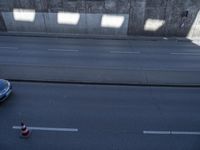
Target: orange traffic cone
{"type": "Point", "coordinates": [24, 131]}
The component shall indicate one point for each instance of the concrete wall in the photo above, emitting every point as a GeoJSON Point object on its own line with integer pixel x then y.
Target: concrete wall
{"type": "Point", "coordinates": [169, 11]}
{"type": "Point", "coordinates": [142, 17]}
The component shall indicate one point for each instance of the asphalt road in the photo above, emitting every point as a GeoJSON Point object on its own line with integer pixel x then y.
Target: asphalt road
{"type": "Point", "coordinates": [107, 117]}
{"type": "Point", "coordinates": [100, 61]}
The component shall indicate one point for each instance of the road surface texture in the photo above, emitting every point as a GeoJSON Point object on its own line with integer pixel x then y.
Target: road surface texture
{"type": "Point", "coordinates": [106, 117]}
{"type": "Point", "coordinates": [100, 61]}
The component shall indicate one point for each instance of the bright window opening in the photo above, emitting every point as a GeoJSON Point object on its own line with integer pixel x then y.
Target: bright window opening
{"type": "Point", "coordinates": [153, 24]}
{"type": "Point", "coordinates": [112, 21]}
{"type": "Point", "coordinates": [68, 18]}
{"type": "Point", "coordinates": [26, 15]}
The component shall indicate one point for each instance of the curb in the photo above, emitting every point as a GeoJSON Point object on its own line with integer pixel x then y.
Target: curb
{"type": "Point", "coordinates": [98, 83]}
{"type": "Point", "coordinates": [98, 37]}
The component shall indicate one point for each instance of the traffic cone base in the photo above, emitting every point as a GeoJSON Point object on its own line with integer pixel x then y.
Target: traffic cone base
{"type": "Point", "coordinates": [25, 133]}
{"type": "Point", "coordinates": [25, 136]}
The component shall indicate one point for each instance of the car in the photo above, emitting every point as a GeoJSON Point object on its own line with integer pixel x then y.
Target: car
{"type": "Point", "coordinates": [5, 89]}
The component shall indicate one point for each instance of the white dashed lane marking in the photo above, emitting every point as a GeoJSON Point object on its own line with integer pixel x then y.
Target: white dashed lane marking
{"type": "Point", "coordinates": [124, 52]}
{"type": "Point", "coordinates": [8, 47]}
{"type": "Point", "coordinates": [48, 129]}
{"type": "Point", "coordinates": [172, 132]}
{"type": "Point", "coordinates": [185, 54]}
{"type": "Point", "coordinates": [63, 50]}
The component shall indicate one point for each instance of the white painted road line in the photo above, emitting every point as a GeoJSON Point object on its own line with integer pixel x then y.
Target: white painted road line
{"type": "Point", "coordinates": [48, 129]}
{"type": "Point", "coordinates": [172, 132]}
{"type": "Point", "coordinates": [185, 133]}
{"type": "Point", "coordinates": [63, 50]}
{"type": "Point", "coordinates": [124, 52]}
{"type": "Point", "coordinates": [156, 132]}
{"type": "Point", "coordinates": [185, 53]}
{"type": "Point", "coordinates": [8, 47]}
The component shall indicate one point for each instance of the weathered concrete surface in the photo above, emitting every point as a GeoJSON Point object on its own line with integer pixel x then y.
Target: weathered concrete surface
{"type": "Point", "coordinates": [177, 17]}
{"type": "Point", "coordinates": [170, 11]}
{"type": "Point", "coordinates": [2, 24]}
{"type": "Point", "coordinates": [179, 25]}
{"type": "Point", "coordinates": [136, 20]}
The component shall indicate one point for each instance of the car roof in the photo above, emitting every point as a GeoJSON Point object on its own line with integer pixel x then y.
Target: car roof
{"type": "Point", "coordinates": [3, 84]}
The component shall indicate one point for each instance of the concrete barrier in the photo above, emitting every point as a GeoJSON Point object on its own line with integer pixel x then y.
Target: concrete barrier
{"type": "Point", "coordinates": [67, 22]}
{"type": "Point", "coordinates": [37, 25]}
